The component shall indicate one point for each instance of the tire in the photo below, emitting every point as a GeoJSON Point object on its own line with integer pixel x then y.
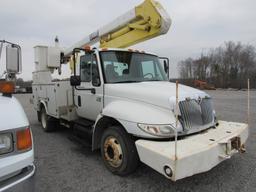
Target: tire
{"type": "Point", "coordinates": [39, 116]}
{"type": "Point", "coordinates": [48, 123]}
{"type": "Point", "coordinates": [118, 151]}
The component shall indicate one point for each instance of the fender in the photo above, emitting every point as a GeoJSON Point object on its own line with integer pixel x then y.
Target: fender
{"type": "Point", "coordinates": [42, 102]}
{"type": "Point", "coordinates": [128, 114]}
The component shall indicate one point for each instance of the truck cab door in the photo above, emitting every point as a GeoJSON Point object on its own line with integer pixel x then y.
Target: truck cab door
{"type": "Point", "coordinates": [89, 95]}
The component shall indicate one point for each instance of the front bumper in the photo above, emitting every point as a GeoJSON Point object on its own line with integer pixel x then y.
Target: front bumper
{"type": "Point", "coordinates": [196, 153]}
{"type": "Point", "coordinates": [21, 176]}
{"type": "Point", "coordinates": [15, 169]}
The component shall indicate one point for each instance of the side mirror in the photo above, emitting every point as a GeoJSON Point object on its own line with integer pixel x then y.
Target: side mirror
{"type": "Point", "coordinates": [165, 62]}
{"type": "Point", "coordinates": [75, 81]}
{"type": "Point", "coordinates": [13, 59]}
{"type": "Point", "coordinates": [166, 67]}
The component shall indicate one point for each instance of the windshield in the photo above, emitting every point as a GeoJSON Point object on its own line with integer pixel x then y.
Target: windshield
{"type": "Point", "coordinates": [124, 67]}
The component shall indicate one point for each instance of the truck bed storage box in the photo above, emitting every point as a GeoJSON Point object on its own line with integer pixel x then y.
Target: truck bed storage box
{"type": "Point", "coordinates": [42, 77]}
{"type": "Point", "coordinates": [46, 57]}
{"type": "Point", "coordinates": [57, 96]}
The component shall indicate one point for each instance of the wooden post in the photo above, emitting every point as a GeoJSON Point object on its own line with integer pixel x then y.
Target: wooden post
{"type": "Point", "coordinates": [176, 116]}
{"type": "Point", "coordinates": [248, 102]}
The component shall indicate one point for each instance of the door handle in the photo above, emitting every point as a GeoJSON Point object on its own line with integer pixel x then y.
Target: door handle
{"type": "Point", "coordinates": [93, 90]}
{"type": "Point", "coordinates": [79, 100]}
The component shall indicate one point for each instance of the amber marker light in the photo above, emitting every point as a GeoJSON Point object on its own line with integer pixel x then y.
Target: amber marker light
{"type": "Point", "coordinates": [24, 140]}
{"type": "Point", "coordinates": [87, 48]}
{"type": "Point", "coordinates": [7, 87]}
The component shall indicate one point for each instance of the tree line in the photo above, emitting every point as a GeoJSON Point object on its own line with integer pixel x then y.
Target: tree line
{"type": "Point", "coordinates": [227, 66]}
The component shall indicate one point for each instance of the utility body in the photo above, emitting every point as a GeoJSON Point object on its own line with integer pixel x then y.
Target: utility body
{"type": "Point", "coordinates": [121, 102]}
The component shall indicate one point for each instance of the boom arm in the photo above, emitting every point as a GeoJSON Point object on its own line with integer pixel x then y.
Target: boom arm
{"type": "Point", "coordinates": [144, 22]}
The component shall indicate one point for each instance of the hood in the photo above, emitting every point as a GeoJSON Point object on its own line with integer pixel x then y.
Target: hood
{"type": "Point", "coordinates": [12, 114]}
{"type": "Point", "coordinates": [159, 93]}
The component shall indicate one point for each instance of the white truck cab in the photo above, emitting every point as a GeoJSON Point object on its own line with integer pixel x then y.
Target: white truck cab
{"type": "Point", "coordinates": [16, 143]}
{"type": "Point", "coordinates": [121, 101]}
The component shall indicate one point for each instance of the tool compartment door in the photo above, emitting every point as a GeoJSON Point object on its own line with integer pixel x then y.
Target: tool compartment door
{"type": "Point", "coordinates": [51, 103]}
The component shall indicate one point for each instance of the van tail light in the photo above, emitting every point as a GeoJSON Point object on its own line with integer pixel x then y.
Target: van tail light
{"type": "Point", "coordinates": [7, 87]}
{"type": "Point", "coordinates": [24, 140]}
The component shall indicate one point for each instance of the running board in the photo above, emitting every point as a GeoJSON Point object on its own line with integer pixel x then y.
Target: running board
{"type": "Point", "coordinates": [83, 130]}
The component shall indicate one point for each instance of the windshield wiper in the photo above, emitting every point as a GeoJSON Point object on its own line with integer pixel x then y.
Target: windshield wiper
{"type": "Point", "coordinates": [128, 81]}
{"type": "Point", "coordinates": [154, 80]}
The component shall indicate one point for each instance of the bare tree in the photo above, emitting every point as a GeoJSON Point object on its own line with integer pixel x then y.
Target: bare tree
{"type": "Point", "coordinates": [225, 66]}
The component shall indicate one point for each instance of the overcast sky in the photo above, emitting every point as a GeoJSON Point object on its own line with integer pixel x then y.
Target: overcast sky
{"type": "Point", "coordinates": [197, 25]}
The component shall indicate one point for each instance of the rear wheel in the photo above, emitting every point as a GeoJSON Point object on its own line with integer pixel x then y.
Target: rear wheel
{"type": "Point", "coordinates": [39, 116]}
{"type": "Point", "coordinates": [118, 151]}
{"type": "Point", "coordinates": [48, 123]}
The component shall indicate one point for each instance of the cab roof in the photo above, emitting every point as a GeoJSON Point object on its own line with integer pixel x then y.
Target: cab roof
{"type": "Point", "coordinates": [126, 50]}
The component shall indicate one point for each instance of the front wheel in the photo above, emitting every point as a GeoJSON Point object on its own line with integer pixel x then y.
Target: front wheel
{"type": "Point", "coordinates": [118, 151]}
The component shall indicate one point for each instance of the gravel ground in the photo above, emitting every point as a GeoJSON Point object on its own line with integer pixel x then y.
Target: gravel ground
{"type": "Point", "coordinates": [64, 165]}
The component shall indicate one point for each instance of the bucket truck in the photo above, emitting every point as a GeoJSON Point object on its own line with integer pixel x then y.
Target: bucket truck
{"type": "Point", "coordinates": [16, 144]}
{"type": "Point", "coordinates": [121, 102]}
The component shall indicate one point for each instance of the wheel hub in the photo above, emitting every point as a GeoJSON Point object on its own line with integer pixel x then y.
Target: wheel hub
{"type": "Point", "coordinates": [113, 152]}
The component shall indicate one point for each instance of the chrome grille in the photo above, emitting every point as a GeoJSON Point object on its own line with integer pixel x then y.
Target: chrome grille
{"type": "Point", "coordinates": [196, 114]}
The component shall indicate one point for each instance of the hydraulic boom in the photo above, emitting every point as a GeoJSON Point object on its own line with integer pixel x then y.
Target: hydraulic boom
{"type": "Point", "coordinates": [146, 21]}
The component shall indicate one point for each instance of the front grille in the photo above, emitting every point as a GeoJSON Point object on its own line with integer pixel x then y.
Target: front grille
{"type": "Point", "coordinates": [196, 115]}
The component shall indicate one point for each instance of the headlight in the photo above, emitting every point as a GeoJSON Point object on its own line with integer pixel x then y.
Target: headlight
{"type": "Point", "coordinates": [6, 144]}
{"type": "Point", "coordinates": [158, 130]}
